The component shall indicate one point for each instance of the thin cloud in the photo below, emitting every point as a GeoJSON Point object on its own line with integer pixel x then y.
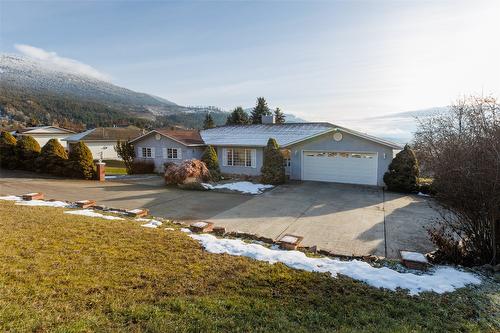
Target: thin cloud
{"type": "Point", "coordinates": [57, 62]}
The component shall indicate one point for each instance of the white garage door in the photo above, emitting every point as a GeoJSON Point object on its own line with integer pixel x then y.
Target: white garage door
{"type": "Point", "coordinates": [340, 167]}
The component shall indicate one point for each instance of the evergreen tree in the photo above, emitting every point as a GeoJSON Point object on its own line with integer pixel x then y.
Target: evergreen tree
{"type": "Point", "coordinates": [81, 161]}
{"type": "Point", "coordinates": [8, 143]}
{"type": "Point", "coordinates": [28, 151]}
{"type": "Point", "coordinates": [403, 172]}
{"type": "Point", "coordinates": [53, 158]}
{"type": "Point", "coordinates": [208, 122]}
{"type": "Point", "coordinates": [126, 152]}
{"type": "Point", "coordinates": [273, 168]}
{"type": "Point", "coordinates": [260, 109]}
{"type": "Point", "coordinates": [279, 116]}
{"type": "Point", "coordinates": [212, 162]}
{"type": "Point", "coordinates": [237, 117]}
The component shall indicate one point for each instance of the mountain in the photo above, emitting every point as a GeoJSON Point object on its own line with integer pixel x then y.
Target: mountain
{"type": "Point", "coordinates": [34, 92]}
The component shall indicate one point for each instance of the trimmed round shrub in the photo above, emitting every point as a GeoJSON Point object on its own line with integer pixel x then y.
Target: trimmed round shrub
{"type": "Point", "coordinates": [273, 168]}
{"type": "Point", "coordinates": [403, 172]}
{"type": "Point", "coordinates": [8, 143]}
{"type": "Point", "coordinates": [188, 172]}
{"type": "Point", "coordinates": [28, 151]}
{"type": "Point", "coordinates": [53, 158]}
{"type": "Point", "coordinates": [81, 162]}
{"type": "Point", "coordinates": [212, 162]}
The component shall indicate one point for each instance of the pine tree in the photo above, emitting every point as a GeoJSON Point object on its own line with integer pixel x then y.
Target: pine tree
{"type": "Point", "coordinates": [237, 117]}
{"type": "Point", "coordinates": [403, 172]}
{"type": "Point", "coordinates": [53, 158]}
{"type": "Point", "coordinates": [273, 168]}
{"type": "Point", "coordinates": [279, 116]}
{"type": "Point", "coordinates": [28, 151]}
{"type": "Point", "coordinates": [212, 162]}
{"type": "Point", "coordinates": [260, 109]}
{"type": "Point", "coordinates": [8, 143]}
{"type": "Point", "coordinates": [208, 122]}
{"type": "Point", "coordinates": [81, 161]}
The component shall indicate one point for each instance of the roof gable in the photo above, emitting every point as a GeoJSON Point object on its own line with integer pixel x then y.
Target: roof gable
{"type": "Point", "coordinates": [45, 130]}
{"type": "Point", "coordinates": [185, 137]}
{"type": "Point", "coordinates": [107, 134]}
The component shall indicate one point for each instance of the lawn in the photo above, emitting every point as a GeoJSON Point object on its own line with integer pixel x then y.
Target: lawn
{"type": "Point", "coordinates": [115, 171]}
{"type": "Point", "coordinates": [68, 273]}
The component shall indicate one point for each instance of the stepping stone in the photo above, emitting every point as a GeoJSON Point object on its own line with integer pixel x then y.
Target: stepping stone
{"type": "Point", "coordinates": [290, 242]}
{"type": "Point", "coordinates": [202, 226]}
{"type": "Point", "coordinates": [414, 260]}
{"type": "Point", "coordinates": [219, 230]}
{"type": "Point", "coordinates": [85, 203]}
{"type": "Point", "coordinates": [138, 212]}
{"type": "Point", "coordinates": [32, 196]}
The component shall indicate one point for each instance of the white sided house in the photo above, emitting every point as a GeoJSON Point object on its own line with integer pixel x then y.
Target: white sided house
{"type": "Point", "coordinates": [102, 140]}
{"type": "Point", "coordinates": [314, 151]}
{"type": "Point", "coordinates": [42, 134]}
{"type": "Point", "coordinates": [168, 146]}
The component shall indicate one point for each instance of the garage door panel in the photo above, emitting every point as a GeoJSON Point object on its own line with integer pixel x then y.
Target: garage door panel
{"type": "Point", "coordinates": [341, 167]}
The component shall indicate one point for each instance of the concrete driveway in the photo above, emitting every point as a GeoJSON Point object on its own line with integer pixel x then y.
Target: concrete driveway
{"type": "Point", "coordinates": [344, 219]}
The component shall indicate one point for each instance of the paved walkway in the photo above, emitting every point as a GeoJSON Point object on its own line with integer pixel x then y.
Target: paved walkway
{"type": "Point", "coordinates": [345, 219]}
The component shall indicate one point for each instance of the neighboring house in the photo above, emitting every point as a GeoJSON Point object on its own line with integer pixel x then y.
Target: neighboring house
{"type": "Point", "coordinates": [167, 145]}
{"type": "Point", "coordinates": [314, 151]}
{"type": "Point", "coordinates": [102, 140]}
{"type": "Point", "coordinates": [42, 134]}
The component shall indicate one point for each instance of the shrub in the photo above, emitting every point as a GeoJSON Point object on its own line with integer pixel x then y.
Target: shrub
{"type": "Point", "coordinates": [126, 151]}
{"type": "Point", "coordinates": [7, 150]}
{"type": "Point", "coordinates": [212, 162]}
{"type": "Point", "coordinates": [53, 159]}
{"type": "Point", "coordinates": [81, 163]}
{"type": "Point", "coordinates": [273, 169]}
{"type": "Point", "coordinates": [142, 167]}
{"type": "Point", "coordinates": [28, 151]}
{"type": "Point", "coordinates": [403, 172]}
{"type": "Point", "coordinates": [190, 171]}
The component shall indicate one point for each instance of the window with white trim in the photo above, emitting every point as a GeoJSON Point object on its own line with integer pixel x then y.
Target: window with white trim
{"type": "Point", "coordinates": [240, 157]}
{"type": "Point", "coordinates": [147, 153]}
{"type": "Point", "coordinates": [173, 153]}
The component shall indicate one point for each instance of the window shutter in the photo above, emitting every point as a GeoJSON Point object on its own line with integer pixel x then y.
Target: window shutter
{"type": "Point", "coordinates": [152, 152]}
{"type": "Point", "coordinates": [179, 153]}
{"type": "Point", "coordinates": [164, 152]}
{"type": "Point", "coordinates": [139, 153]}
{"type": "Point", "coordinates": [254, 158]}
{"type": "Point", "coordinates": [224, 157]}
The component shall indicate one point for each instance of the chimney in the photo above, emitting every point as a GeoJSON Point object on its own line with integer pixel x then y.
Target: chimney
{"type": "Point", "coordinates": [268, 119]}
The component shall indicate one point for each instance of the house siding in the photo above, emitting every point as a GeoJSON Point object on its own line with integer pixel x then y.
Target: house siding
{"type": "Point", "coordinates": [159, 160]}
{"type": "Point", "coordinates": [240, 170]}
{"type": "Point", "coordinates": [349, 143]}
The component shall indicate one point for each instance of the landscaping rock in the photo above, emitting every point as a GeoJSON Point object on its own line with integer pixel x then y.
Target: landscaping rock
{"type": "Point", "coordinates": [32, 196]}
{"type": "Point", "coordinates": [219, 230]}
{"type": "Point", "coordinates": [414, 260]}
{"type": "Point", "coordinates": [202, 226]}
{"type": "Point", "coordinates": [290, 242]}
{"type": "Point", "coordinates": [138, 212]}
{"type": "Point", "coordinates": [85, 203]}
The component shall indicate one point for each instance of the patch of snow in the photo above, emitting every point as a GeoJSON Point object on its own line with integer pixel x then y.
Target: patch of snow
{"type": "Point", "coordinates": [135, 211]}
{"type": "Point", "coordinates": [40, 203]}
{"type": "Point", "coordinates": [110, 177]}
{"type": "Point", "coordinates": [152, 224]}
{"type": "Point", "coordinates": [423, 194]}
{"type": "Point", "coordinates": [413, 256]}
{"type": "Point", "coordinates": [91, 213]}
{"type": "Point", "coordinates": [32, 194]}
{"type": "Point", "coordinates": [289, 239]}
{"type": "Point", "coordinates": [199, 224]}
{"type": "Point", "coordinates": [11, 198]}
{"type": "Point", "coordinates": [186, 230]}
{"type": "Point", "coordinates": [440, 280]}
{"type": "Point", "coordinates": [243, 187]}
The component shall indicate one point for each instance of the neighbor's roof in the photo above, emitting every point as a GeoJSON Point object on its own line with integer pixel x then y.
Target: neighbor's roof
{"type": "Point", "coordinates": [186, 137]}
{"type": "Point", "coordinates": [44, 130]}
{"type": "Point", "coordinates": [285, 134]}
{"type": "Point", "coordinates": [107, 134]}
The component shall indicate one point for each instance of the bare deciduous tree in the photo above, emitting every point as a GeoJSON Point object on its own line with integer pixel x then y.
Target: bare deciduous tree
{"type": "Point", "coordinates": [461, 150]}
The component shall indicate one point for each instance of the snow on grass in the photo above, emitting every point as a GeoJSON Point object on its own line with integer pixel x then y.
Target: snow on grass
{"type": "Point", "coordinates": [151, 223]}
{"type": "Point", "coordinates": [439, 280]}
{"type": "Point", "coordinates": [186, 230]}
{"type": "Point", "coordinates": [11, 198]}
{"type": "Point", "coordinates": [91, 213]}
{"type": "Point", "coordinates": [39, 203]}
{"type": "Point", "coordinates": [413, 256]}
{"type": "Point", "coordinates": [423, 194]}
{"type": "Point", "coordinates": [243, 187]}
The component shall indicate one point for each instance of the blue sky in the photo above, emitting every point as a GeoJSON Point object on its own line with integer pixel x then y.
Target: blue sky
{"type": "Point", "coordinates": [321, 60]}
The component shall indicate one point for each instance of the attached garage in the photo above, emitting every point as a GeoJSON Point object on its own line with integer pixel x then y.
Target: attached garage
{"type": "Point", "coordinates": [340, 167]}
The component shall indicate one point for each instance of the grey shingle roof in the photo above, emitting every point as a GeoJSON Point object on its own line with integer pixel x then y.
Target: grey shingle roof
{"type": "Point", "coordinates": [257, 135]}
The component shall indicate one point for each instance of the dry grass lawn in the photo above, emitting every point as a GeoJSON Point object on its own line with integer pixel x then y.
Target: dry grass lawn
{"type": "Point", "coordinates": [66, 273]}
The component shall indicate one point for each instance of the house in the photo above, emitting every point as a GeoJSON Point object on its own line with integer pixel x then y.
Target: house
{"type": "Point", "coordinates": [102, 140]}
{"type": "Point", "coordinates": [42, 134]}
{"type": "Point", "coordinates": [314, 151]}
{"type": "Point", "coordinates": [168, 145]}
